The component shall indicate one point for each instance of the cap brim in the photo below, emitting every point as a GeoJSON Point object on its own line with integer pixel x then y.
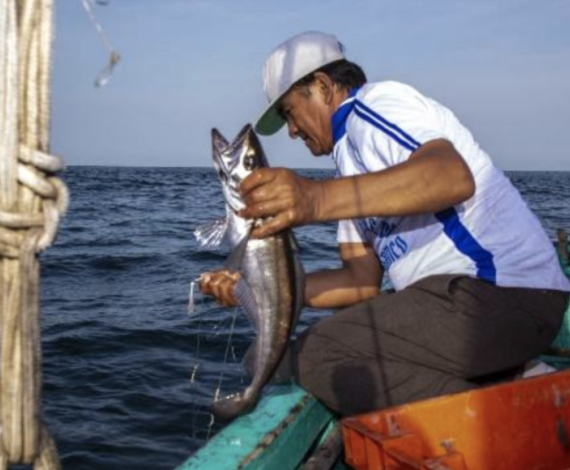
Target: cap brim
{"type": "Point", "coordinates": [270, 121]}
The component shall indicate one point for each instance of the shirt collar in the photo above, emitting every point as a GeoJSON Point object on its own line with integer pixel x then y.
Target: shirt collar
{"type": "Point", "coordinates": [341, 114]}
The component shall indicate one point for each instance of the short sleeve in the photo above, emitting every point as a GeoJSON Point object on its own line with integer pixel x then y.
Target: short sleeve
{"type": "Point", "coordinates": [390, 121]}
{"type": "Point", "coordinates": [348, 232]}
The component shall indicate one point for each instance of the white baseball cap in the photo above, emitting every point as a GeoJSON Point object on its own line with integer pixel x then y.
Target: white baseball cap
{"type": "Point", "coordinates": [289, 62]}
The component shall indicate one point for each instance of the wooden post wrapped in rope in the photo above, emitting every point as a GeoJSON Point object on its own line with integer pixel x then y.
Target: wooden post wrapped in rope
{"type": "Point", "coordinates": [31, 203]}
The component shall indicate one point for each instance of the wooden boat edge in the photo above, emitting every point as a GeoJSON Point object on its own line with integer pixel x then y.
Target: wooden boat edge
{"type": "Point", "coordinates": [268, 434]}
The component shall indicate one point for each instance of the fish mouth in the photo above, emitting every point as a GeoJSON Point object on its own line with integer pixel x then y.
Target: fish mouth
{"type": "Point", "coordinates": [235, 161]}
{"type": "Point", "coordinates": [225, 155]}
{"type": "Point", "coordinates": [219, 150]}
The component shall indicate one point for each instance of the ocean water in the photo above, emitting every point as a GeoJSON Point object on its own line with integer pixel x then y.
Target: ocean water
{"type": "Point", "coordinates": [119, 347]}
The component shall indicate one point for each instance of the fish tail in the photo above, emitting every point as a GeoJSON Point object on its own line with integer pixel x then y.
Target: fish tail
{"type": "Point", "coordinates": [229, 408]}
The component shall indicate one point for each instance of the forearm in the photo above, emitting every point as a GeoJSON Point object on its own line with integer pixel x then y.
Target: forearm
{"type": "Point", "coordinates": [336, 288]}
{"type": "Point", "coordinates": [433, 179]}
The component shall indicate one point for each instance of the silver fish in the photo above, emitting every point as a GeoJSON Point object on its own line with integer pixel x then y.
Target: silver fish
{"type": "Point", "coordinates": [272, 281]}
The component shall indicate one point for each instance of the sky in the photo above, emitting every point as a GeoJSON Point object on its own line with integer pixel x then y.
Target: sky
{"type": "Point", "coordinates": [502, 66]}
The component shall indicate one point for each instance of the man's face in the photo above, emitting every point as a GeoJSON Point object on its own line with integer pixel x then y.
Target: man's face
{"type": "Point", "coordinates": [308, 116]}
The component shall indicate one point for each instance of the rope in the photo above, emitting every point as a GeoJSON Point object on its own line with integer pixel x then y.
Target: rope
{"type": "Point", "coordinates": [32, 202]}
{"type": "Point", "coordinates": [33, 172]}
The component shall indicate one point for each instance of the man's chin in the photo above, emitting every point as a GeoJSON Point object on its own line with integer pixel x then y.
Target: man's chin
{"type": "Point", "coordinates": [319, 152]}
{"type": "Point", "coordinates": [316, 150]}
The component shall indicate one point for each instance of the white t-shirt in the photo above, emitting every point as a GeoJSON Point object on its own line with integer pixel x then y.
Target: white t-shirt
{"type": "Point", "coordinates": [493, 235]}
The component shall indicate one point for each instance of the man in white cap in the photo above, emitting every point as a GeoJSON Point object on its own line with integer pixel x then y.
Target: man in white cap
{"type": "Point", "coordinates": [418, 199]}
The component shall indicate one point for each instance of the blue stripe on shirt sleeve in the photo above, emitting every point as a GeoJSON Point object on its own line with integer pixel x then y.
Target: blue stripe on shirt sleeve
{"type": "Point", "coordinates": [383, 121]}
{"type": "Point", "coordinates": [384, 129]}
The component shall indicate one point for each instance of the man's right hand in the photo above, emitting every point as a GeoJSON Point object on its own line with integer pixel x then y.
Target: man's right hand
{"type": "Point", "coordinates": [282, 198]}
{"type": "Point", "coordinates": [220, 284]}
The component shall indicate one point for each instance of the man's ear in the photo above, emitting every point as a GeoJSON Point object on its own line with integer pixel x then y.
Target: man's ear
{"type": "Point", "coordinates": [325, 86]}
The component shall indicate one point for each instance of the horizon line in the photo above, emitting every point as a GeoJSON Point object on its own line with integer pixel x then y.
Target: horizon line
{"type": "Point", "coordinates": [292, 168]}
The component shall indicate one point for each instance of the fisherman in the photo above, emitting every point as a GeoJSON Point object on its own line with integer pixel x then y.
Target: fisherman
{"type": "Point", "coordinates": [478, 287]}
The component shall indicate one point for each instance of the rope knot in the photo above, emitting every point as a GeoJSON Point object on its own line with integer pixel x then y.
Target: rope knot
{"type": "Point", "coordinates": [35, 172]}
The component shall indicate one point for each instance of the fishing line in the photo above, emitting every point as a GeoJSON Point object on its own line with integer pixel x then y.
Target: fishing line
{"type": "Point", "coordinates": [191, 297]}
{"type": "Point", "coordinates": [226, 353]}
{"type": "Point", "coordinates": [236, 361]}
{"type": "Point", "coordinates": [194, 316]}
{"type": "Point", "coordinates": [195, 310]}
{"type": "Point", "coordinates": [199, 329]}
{"type": "Point", "coordinates": [193, 380]}
{"type": "Point", "coordinates": [114, 57]}
{"type": "Point", "coordinates": [195, 313]}
{"type": "Point", "coordinates": [221, 378]}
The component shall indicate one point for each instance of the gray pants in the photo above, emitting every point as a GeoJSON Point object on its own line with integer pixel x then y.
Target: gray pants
{"type": "Point", "coordinates": [442, 335]}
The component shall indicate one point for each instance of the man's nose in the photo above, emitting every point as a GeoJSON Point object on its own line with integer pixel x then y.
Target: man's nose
{"type": "Point", "coordinates": [292, 129]}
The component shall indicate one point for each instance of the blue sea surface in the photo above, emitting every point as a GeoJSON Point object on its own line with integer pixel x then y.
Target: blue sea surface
{"type": "Point", "coordinates": [119, 347]}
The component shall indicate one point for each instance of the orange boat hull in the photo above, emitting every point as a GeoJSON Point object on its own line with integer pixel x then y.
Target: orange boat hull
{"type": "Point", "coordinates": [521, 425]}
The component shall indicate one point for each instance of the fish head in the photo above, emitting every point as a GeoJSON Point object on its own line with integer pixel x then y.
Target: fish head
{"type": "Point", "coordinates": [236, 161]}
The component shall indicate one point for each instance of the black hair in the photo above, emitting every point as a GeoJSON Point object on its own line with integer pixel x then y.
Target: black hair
{"type": "Point", "coordinates": [345, 74]}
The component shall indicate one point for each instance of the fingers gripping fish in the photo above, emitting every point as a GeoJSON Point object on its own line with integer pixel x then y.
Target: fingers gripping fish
{"type": "Point", "coordinates": [272, 279]}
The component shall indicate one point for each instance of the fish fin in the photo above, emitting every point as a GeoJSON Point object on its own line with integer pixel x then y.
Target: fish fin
{"type": "Point", "coordinates": [211, 235]}
{"type": "Point", "coordinates": [245, 298]}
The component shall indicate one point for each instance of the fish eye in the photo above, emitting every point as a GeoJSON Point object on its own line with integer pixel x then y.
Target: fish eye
{"type": "Point", "coordinates": [249, 162]}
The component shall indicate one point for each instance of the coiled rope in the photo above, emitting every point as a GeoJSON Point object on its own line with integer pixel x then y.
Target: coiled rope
{"type": "Point", "coordinates": [32, 202]}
